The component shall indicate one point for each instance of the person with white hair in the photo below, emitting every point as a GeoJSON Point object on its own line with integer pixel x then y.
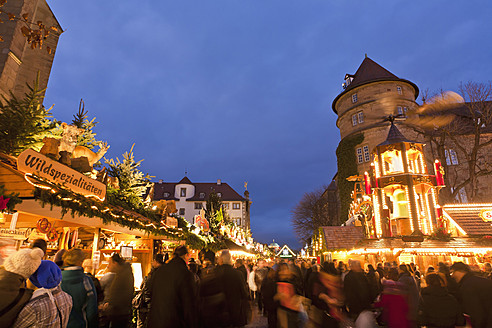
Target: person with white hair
{"type": "Point", "coordinates": [235, 291]}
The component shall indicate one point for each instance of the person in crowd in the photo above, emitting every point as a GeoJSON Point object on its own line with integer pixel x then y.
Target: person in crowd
{"type": "Point", "coordinates": [412, 291]}
{"type": "Point", "coordinates": [260, 275]}
{"type": "Point", "coordinates": [241, 268]}
{"type": "Point", "coordinates": [88, 267]}
{"type": "Point", "coordinates": [326, 297]}
{"type": "Point", "coordinates": [357, 290]}
{"type": "Point", "coordinates": [450, 283]}
{"type": "Point", "coordinates": [252, 284]}
{"type": "Point", "coordinates": [16, 268]}
{"type": "Point", "coordinates": [342, 268]}
{"type": "Point", "coordinates": [235, 291]}
{"type": "Point", "coordinates": [474, 295]}
{"type": "Point", "coordinates": [268, 292]}
{"type": "Point", "coordinates": [438, 308]}
{"type": "Point", "coordinates": [81, 288]}
{"type": "Point", "coordinates": [487, 270]}
{"type": "Point", "coordinates": [143, 299]}
{"type": "Point", "coordinates": [416, 274]}
{"type": "Point", "coordinates": [41, 243]}
{"type": "Point", "coordinates": [173, 303]}
{"type": "Point", "coordinates": [374, 281]}
{"type": "Point", "coordinates": [118, 305]}
{"type": "Point", "coordinates": [59, 258]}
{"type": "Point", "coordinates": [393, 302]}
{"type": "Point", "coordinates": [49, 305]}
{"type": "Point", "coordinates": [380, 270]}
{"type": "Point", "coordinates": [288, 294]}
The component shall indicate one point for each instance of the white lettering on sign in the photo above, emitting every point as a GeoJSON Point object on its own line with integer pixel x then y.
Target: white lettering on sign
{"type": "Point", "coordinates": [32, 162]}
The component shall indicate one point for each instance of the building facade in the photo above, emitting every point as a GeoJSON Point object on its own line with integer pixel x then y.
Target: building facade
{"type": "Point", "coordinates": [19, 63]}
{"type": "Point", "coordinates": [191, 198]}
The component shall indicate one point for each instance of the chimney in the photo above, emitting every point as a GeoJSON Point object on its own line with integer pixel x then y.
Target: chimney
{"type": "Point", "coordinates": [219, 182]}
{"type": "Point", "coordinates": [160, 181]}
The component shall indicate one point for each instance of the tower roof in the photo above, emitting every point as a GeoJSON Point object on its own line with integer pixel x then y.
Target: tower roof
{"type": "Point", "coordinates": [395, 136]}
{"type": "Point", "coordinates": [185, 180]}
{"type": "Point", "coordinates": [368, 72]}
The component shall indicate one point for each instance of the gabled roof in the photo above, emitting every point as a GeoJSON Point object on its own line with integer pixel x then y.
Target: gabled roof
{"type": "Point", "coordinates": [342, 237]}
{"type": "Point", "coordinates": [185, 180]}
{"type": "Point", "coordinates": [280, 253]}
{"type": "Point", "coordinates": [395, 136]}
{"type": "Point", "coordinates": [467, 217]}
{"type": "Point", "coordinates": [368, 72]}
{"type": "Point", "coordinates": [204, 188]}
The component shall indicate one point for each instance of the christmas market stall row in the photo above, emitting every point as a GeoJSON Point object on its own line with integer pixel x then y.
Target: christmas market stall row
{"type": "Point", "coordinates": [395, 215]}
{"type": "Point", "coordinates": [54, 187]}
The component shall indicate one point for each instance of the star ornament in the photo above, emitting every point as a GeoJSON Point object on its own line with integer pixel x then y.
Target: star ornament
{"type": "Point", "coordinates": [3, 203]}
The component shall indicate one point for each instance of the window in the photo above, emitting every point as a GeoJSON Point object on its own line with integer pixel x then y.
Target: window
{"type": "Point", "coordinates": [451, 157]}
{"type": "Point", "coordinates": [354, 120]}
{"type": "Point", "coordinates": [360, 116]}
{"type": "Point", "coordinates": [202, 195]}
{"type": "Point", "coordinates": [219, 194]}
{"type": "Point", "coordinates": [354, 98]}
{"type": "Point", "coordinates": [367, 156]}
{"type": "Point", "coordinates": [183, 192]}
{"type": "Point", "coordinates": [166, 195]}
{"type": "Point", "coordinates": [402, 110]}
{"type": "Point", "coordinates": [398, 89]}
{"type": "Point", "coordinates": [360, 158]}
{"type": "Point", "coordinates": [463, 197]}
{"type": "Point", "coordinates": [181, 211]}
{"type": "Point", "coordinates": [237, 221]}
{"type": "Point", "coordinates": [236, 206]}
{"type": "Point", "coordinates": [225, 205]}
{"type": "Point", "coordinates": [198, 206]}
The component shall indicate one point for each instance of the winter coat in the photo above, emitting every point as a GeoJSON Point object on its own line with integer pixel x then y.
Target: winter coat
{"type": "Point", "coordinates": [11, 286]}
{"type": "Point", "coordinates": [438, 308]}
{"type": "Point", "coordinates": [173, 303]}
{"type": "Point", "coordinates": [411, 289]}
{"type": "Point", "coordinates": [97, 285]}
{"type": "Point", "coordinates": [42, 311]}
{"type": "Point", "coordinates": [475, 298]}
{"type": "Point", "coordinates": [260, 275]}
{"type": "Point", "coordinates": [120, 293]}
{"type": "Point", "coordinates": [236, 294]}
{"type": "Point", "coordinates": [395, 310]}
{"type": "Point", "coordinates": [357, 293]}
{"type": "Point", "coordinates": [78, 285]}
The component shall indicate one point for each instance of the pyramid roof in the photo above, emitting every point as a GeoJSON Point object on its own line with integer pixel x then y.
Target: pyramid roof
{"type": "Point", "coordinates": [395, 136]}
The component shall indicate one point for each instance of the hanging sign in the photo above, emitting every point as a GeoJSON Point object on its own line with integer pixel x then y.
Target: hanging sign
{"type": "Point", "coordinates": [32, 162]}
{"type": "Point", "coordinates": [13, 234]}
{"type": "Point", "coordinates": [486, 215]}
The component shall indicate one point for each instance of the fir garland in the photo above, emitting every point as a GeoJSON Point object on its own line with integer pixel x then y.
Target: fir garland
{"type": "Point", "coordinates": [347, 166]}
{"type": "Point", "coordinates": [13, 199]}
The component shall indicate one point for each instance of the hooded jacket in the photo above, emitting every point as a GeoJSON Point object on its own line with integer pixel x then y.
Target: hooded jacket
{"type": "Point", "coordinates": [78, 285]}
{"type": "Point", "coordinates": [12, 286]}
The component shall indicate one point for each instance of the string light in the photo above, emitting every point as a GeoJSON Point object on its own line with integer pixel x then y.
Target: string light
{"type": "Point", "coordinates": [410, 214]}
{"type": "Point", "coordinates": [419, 216]}
{"type": "Point", "coordinates": [377, 216]}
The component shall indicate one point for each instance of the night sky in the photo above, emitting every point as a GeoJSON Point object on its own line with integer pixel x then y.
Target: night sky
{"type": "Point", "coordinates": [241, 90]}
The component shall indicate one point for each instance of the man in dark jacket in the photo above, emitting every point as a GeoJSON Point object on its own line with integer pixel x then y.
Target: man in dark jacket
{"type": "Point", "coordinates": [357, 290]}
{"type": "Point", "coordinates": [412, 291]}
{"type": "Point", "coordinates": [260, 275]}
{"type": "Point", "coordinates": [173, 302]}
{"type": "Point", "coordinates": [119, 301]}
{"type": "Point", "coordinates": [235, 290]}
{"type": "Point", "coordinates": [474, 295]}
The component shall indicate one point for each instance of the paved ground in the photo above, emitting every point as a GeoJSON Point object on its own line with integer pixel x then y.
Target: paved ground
{"type": "Point", "coordinates": [258, 320]}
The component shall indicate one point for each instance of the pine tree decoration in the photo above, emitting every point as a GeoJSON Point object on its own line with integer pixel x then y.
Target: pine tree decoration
{"type": "Point", "coordinates": [133, 183]}
{"type": "Point", "coordinates": [214, 211]}
{"type": "Point", "coordinates": [88, 137]}
{"type": "Point", "coordinates": [24, 122]}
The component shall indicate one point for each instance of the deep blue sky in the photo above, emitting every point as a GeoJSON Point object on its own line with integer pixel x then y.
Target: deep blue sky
{"type": "Point", "coordinates": [241, 90]}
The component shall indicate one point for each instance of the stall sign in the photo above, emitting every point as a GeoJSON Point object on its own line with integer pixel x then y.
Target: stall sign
{"type": "Point", "coordinates": [13, 234]}
{"type": "Point", "coordinates": [32, 162]}
{"type": "Point", "coordinates": [486, 215]}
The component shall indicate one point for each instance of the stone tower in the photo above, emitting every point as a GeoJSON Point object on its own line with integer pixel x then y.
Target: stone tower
{"type": "Point", "coordinates": [368, 95]}
{"type": "Point", "coordinates": [19, 64]}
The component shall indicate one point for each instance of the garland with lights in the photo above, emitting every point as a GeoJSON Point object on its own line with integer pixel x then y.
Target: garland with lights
{"type": "Point", "coordinates": [347, 166]}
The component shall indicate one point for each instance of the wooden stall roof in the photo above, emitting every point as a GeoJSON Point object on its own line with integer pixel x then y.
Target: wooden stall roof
{"type": "Point", "coordinates": [391, 243]}
{"type": "Point", "coordinates": [467, 216]}
{"type": "Point", "coordinates": [342, 237]}
{"type": "Point", "coordinates": [14, 181]}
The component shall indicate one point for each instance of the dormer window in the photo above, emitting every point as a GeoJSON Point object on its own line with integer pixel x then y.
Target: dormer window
{"type": "Point", "coordinates": [202, 195]}
{"type": "Point", "coordinates": [166, 195]}
{"type": "Point", "coordinates": [348, 80]}
{"type": "Point", "coordinates": [354, 98]}
{"type": "Point", "coordinates": [219, 194]}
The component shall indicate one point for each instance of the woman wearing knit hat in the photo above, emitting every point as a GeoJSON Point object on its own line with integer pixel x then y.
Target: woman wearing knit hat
{"type": "Point", "coordinates": [13, 295]}
{"type": "Point", "coordinates": [49, 305]}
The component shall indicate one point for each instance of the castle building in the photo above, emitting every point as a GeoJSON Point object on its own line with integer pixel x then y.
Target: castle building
{"type": "Point", "coordinates": [19, 63]}
{"type": "Point", "coordinates": [191, 197]}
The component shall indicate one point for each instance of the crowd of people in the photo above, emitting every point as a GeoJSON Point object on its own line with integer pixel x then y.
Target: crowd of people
{"type": "Point", "coordinates": [215, 291]}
